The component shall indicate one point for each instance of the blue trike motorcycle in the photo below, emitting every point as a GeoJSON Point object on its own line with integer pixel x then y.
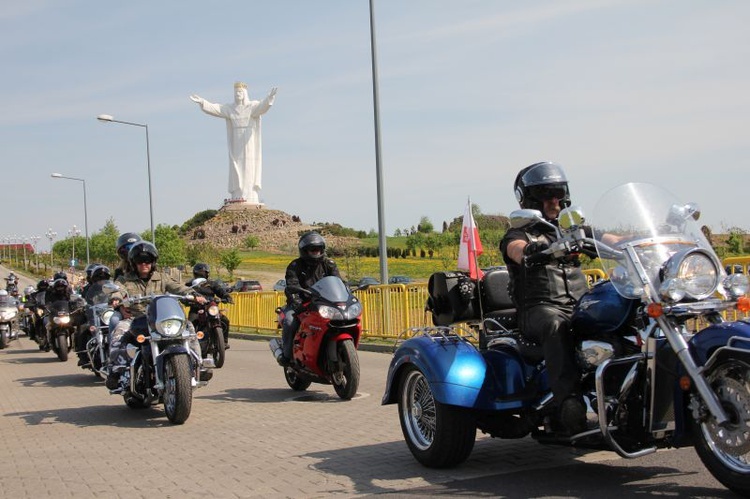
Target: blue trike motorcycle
{"type": "Point", "coordinates": [661, 365]}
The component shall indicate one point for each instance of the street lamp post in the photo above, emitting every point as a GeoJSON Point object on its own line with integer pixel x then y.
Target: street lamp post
{"type": "Point", "coordinates": [74, 232]}
{"type": "Point", "coordinates": [85, 211]}
{"type": "Point", "coordinates": [35, 246]}
{"type": "Point", "coordinates": [109, 119]}
{"type": "Point", "coordinates": [14, 239]}
{"type": "Point", "coordinates": [23, 242]}
{"type": "Point", "coordinates": [51, 235]}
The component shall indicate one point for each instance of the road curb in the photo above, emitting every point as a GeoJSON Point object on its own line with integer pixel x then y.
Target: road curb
{"type": "Point", "coordinates": [364, 345]}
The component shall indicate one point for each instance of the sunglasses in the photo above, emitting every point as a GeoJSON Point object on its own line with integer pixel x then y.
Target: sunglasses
{"type": "Point", "coordinates": [143, 260]}
{"type": "Point", "coordinates": [546, 193]}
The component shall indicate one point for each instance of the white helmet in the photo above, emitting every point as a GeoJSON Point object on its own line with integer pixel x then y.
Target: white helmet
{"type": "Point", "coordinates": [3, 292]}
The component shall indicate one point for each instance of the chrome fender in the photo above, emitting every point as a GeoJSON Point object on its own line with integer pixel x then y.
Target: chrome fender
{"type": "Point", "coordinates": [458, 373]}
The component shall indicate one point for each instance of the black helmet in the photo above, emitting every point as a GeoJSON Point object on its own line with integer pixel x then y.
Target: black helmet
{"type": "Point", "coordinates": [125, 242]}
{"type": "Point", "coordinates": [89, 268]}
{"type": "Point", "coordinates": [60, 275]}
{"type": "Point", "coordinates": [538, 182]}
{"type": "Point", "coordinates": [59, 284]}
{"type": "Point", "coordinates": [100, 272]}
{"type": "Point", "coordinates": [143, 251]}
{"type": "Point", "coordinates": [42, 285]}
{"type": "Point", "coordinates": [312, 242]}
{"type": "Point", "coordinates": [201, 270]}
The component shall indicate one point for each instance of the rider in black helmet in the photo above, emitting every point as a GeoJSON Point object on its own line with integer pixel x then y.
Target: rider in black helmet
{"type": "Point", "coordinates": [122, 246]}
{"type": "Point", "coordinates": [311, 266]}
{"type": "Point", "coordinates": [209, 288]}
{"type": "Point", "coordinates": [545, 290]}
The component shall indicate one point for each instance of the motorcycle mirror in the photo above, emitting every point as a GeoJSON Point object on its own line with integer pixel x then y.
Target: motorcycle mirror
{"type": "Point", "coordinates": [571, 217]}
{"type": "Point", "coordinates": [522, 218]}
{"type": "Point", "coordinates": [678, 214]}
{"type": "Point", "coordinates": [110, 286]}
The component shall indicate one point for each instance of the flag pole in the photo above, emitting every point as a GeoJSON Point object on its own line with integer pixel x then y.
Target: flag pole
{"type": "Point", "coordinates": [473, 251]}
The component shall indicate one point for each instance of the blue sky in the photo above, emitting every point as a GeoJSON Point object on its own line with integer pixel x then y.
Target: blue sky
{"type": "Point", "coordinates": [471, 91]}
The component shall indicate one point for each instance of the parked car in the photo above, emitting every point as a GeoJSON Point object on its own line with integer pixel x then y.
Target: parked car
{"type": "Point", "coordinates": [247, 285]}
{"type": "Point", "coordinates": [368, 281]}
{"type": "Point", "coordinates": [280, 285]}
{"type": "Point", "coordinates": [400, 279]}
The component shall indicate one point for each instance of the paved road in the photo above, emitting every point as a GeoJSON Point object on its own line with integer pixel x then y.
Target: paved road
{"type": "Point", "coordinates": [249, 435]}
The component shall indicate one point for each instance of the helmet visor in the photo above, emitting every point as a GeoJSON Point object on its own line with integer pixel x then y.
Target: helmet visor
{"type": "Point", "coordinates": [547, 192]}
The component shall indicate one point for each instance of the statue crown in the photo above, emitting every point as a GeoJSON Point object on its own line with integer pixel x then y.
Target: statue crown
{"type": "Point", "coordinates": [239, 84]}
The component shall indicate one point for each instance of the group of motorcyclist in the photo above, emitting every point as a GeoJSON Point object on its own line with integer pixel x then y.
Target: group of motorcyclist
{"type": "Point", "coordinates": [544, 290]}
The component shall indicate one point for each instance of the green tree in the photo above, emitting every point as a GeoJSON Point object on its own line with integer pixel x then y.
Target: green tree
{"type": "Point", "coordinates": [736, 241]}
{"type": "Point", "coordinates": [102, 245]}
{"type": "Point", "coordinates": [172, 251]}
{"type": "Point", "coordinates": [230, 260]}
{"type": "Point", "coordinates": [425, 226]}
{"type": "Point", "coordinates": [252, 242]}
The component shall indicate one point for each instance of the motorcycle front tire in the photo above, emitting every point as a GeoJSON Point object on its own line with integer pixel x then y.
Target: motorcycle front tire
{"type": "Point", "coordinates": [178, 392]}
{"type": "Point", "coordinates": [3, 340]}
{"type": "Point", "coordinates": [62, 347]}
{"type": "Point", "coordinates": [217, 350]}
{"type": "Point", "coordinates": [349, 361]}
{"type": "Point", "coordinates": [725, 451]}
{"type": "Point", "coordinates": [438, 435]}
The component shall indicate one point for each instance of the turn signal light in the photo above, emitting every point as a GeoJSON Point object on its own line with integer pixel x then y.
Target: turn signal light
{"type": "Point", "coordinates": [743, 304]}
{"type": "Point", "coordinates": [200, 334]}
{"type": "Point", "coordinates": [141, 338]}
{"type": "Point", "coordinates": [685, 383]}
{"type": "Point", "coordinates": [654, 310]}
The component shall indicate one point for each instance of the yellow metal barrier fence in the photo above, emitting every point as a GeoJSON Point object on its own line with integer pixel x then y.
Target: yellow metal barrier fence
{"type": "Point", "coordinates": [388, 309]}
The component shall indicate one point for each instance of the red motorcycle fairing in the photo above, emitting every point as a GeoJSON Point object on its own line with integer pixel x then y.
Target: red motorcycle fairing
{"type": "Point", "coordinates": [314, 335]}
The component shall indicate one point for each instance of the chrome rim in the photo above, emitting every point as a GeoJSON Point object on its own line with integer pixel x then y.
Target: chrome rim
{"type": "Point", "coordinates": [418, 410]}
{"type": "Point", "coordinates": [731, 443]}
{"type": "Point", "coordinates": [170, 397]}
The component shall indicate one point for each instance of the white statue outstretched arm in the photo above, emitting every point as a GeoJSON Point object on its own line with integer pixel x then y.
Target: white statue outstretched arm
{"type": "Point", "coordinates": [197, 98]}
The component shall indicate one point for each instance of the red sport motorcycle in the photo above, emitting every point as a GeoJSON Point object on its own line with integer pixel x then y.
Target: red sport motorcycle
{"type": "Point", "coordinates": [325, 345]}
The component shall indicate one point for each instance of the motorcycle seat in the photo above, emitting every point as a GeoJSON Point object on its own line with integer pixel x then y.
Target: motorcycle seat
{"type": "Point", "coordinates": [529, 350]}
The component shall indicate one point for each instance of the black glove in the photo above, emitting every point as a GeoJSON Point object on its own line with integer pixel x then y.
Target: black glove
{"type": "Point", "coordinates": [296, 304]}
{"type": "Point", "coordinates": [533, 254]}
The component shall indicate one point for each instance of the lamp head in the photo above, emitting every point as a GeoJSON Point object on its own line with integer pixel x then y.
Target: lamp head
{"type": "Point", "coordinates": [105, 117]}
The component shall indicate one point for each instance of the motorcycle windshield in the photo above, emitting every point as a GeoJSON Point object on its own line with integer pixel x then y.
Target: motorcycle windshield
{"type": "Point", "coordinates": [331, 289]}
{"type": "Point", "coordinates": [647, 224]}
{"type": "Point", "coordinates": [100, 292]}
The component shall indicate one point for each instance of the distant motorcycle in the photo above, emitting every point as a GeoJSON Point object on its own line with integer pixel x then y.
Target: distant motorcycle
{"type": "Point", "coordinates": [61, 327]}
{"type": "Point", "coordinates": [8, 320]}
{"type": "Point", "coordinates": [325, 346]}
{"type": "Point", "coordinates": [96, 333]}
{"type": "Point", "coordinates": [210, 330]}
{"type": "Point", "coordinates": [162, 368]}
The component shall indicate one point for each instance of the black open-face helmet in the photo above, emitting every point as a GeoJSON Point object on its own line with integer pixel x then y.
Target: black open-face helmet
{"type": "Point", "coordinates": [89, 268]}
{"type": "Point", "coordinates": [143, 251]}
{"type": "Point", "coordinates": [59, 285]}
{"type": "Point", "coordinates": [42, 285]}
{"type": "Point", "coordinates": [60, 275]}
{"type": "Point", "coordinates": [125, 242]}
{"type": "Point", "coordinates": [541, 181]}
{"type": "Point", "coordinates": [100, 273]}
{"type": "Point", "coordinates": [201, 270]}
{"type": "Point", "coordinates": [312, 247]}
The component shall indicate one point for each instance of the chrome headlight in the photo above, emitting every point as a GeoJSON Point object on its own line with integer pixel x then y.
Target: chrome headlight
{"type": "Point", "coordinates": [7, 314]}
{"type": "Point", "coordinates": [213, 310]}
{"type": "Point", "coordinates": [736, 285]}
{"type": "Point", "coordinates": [692, 274]}
{"type": "Point", "coordinates": [333, 313]}
{"type": "Point", "coordinates": [61, 320]}
{"type": "Point", "coordinates": [107, 315]}
{"type": "Point", "coordinates": [40, 312]}
{"type": "Point", "coordinates": [170, 327]}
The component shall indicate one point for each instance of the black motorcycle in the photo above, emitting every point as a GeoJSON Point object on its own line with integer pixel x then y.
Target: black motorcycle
{"type": "Point", "coordinates": [95, 334]}
{"type": "Point", "coordinates": [163, 367]}
{"type": "Point", "coordinates": [209, 326]}
{"type": "Point", "coordinates": [61, 327]}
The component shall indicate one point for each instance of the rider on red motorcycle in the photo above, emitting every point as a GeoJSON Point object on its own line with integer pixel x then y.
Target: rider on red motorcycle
{"type": "Point", "coordinates": [311, 266]}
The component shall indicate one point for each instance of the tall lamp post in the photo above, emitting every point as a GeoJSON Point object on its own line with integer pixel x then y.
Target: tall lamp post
{"type": "Point", "coordinates": [51, 235]}
{"type": "Point", "coordinates": [35, 246]}
{"type": "Point", "coordinates": [23, 242]}
{"type": "Point", "coordinates": [74, 232]}
{"type": "Point", "coordinates": [109, 119]}
{"type": "Point", "coordinates": [85, 210]}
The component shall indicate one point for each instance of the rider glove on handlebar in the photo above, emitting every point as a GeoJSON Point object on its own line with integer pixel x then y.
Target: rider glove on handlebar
{"type": "Point", "coordinates": [533, 254]}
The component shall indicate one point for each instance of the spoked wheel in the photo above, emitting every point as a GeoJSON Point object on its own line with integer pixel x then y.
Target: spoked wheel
{"type": "Point", "coordinates": [725, 450]}
{"type": "Point", "coordinates": [178, 393]}
{"type": "Point", "coordinates": [217, 350]}
{"type": "Point", "coordinates": [346, 381]}
{"type": "Point", "coordinates": [438, 435]}
{"type": "Point", "coordinates": [62, 347]}
{"type": "Point", "coordinates": [294, 381]}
